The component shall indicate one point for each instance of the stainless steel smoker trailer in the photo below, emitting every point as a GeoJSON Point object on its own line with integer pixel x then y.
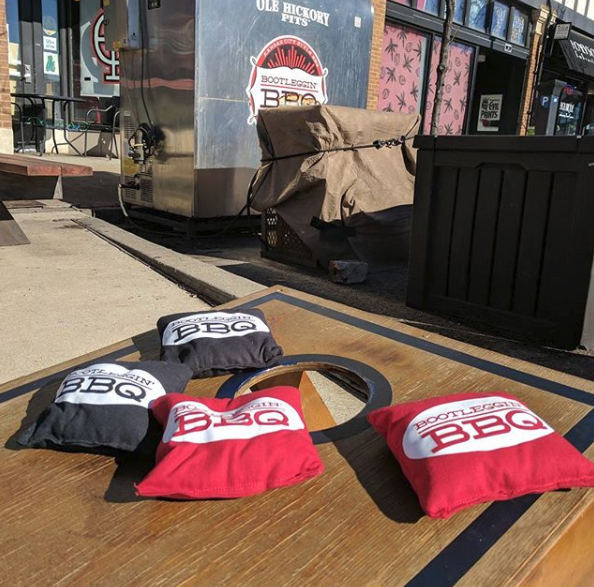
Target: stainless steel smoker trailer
{"type": "Point", "coordinates": [194, 73]}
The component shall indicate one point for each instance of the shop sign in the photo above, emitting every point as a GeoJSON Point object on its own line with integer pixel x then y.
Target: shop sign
{"type": "Point", "coordinates": [50, 44]}
{"type": "Point", "coordinates": [293, 13]}
{"type": "Point", "coordinates": [562, 31]}
{"type": "Point", "coordinates": [287, 72]}
{"type": "Point", "coordinates": [578, 50]}
{"type": "Point", "coordinates": [51, 58]}
{"type": "Point", "coordinates": [566, 110]}
{"type": "Point", "coordinates": [489, 112]}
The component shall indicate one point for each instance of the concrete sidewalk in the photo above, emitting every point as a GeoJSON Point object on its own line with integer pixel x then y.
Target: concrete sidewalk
{"type": "Point", "coordinates": [70, 292]}
{"type": "Point", "coordinates": [75, 285]}
{"type": "Point", "coordinates": [83, 284]}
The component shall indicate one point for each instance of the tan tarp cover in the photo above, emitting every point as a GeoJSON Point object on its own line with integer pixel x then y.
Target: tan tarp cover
{"type": "Point", "coordinates": [368, 189]}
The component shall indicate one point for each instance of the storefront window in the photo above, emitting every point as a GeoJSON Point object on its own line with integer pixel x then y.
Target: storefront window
{"type": "Point", "coordinates": [14, 43]}
{"type": "Point", "coordinates": [51, 47]}
{"type": "Point", "coordinates": [430, 6]}
{"type": "Point", "coordinates": [96, 70]}
{"type": "Point", "coordinates": [570, 110]}
{"type": "Point", "coordinates": [499, 20]}
{"type": "Point", "coordinates": [477, 15]}
{"type": "Point", "coordinates": [455, 88]}
{"type": "Point", "coordinates": [402, 71]}
{"type": "Point", "coordinates": [519, 25]}
{"type": "Point", "coordinates": [460, 7]}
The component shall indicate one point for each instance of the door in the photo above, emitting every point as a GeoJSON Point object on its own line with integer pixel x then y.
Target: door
{"type": "Point", "coordinates": [15, 60]}
{"type": "Point", "coordinates": [34, 46]}
{"type": "Point", "coordinates": [30, 48]}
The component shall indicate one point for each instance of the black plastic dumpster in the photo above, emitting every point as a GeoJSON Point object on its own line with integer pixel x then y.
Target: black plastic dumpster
{"type": "Point", "coordinates": [503, 234]}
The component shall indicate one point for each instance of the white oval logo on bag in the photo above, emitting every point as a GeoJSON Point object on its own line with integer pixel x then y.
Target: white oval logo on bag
{"type": "Point", "coordinates": [472, 425]}
{"type": "Point", "coordinates": [212, 325]}
{"type": "Point", "coordinates": [195, 422]}
{"type": "Point", "coordinates": [106, 384]}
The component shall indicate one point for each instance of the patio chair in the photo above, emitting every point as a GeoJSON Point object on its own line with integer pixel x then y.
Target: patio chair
{"type": "Point", "coordinates": [91, 123]}
{"type": "Point", "coordinates": [25, 120]}
{"type": "Point", "coordinates": [97, 125]}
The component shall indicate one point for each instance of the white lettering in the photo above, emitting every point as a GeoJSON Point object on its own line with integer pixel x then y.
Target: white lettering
{"type": "Point", "coordinates": [267, 5]}
{"type": "Point", "coordinates": [211, 325]}
{"type": "Point", "coordinates": [473, 425]}
{"type": "Point", "coordinates": [302, 15]}
{"type": "Point", "coordinates": [109, 384]}
{"type": "Point", "coordinates": [197, 423]}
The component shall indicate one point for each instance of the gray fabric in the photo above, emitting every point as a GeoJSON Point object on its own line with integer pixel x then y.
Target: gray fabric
{"type": "Point", "coordinates": [369, 190]}
{"type": "Point", "coordinates": [219, 341]}
{"type": "Point", "coordinates": [103, 408]}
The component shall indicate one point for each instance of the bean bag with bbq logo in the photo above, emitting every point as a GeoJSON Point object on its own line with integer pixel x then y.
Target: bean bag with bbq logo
{"type": "Point", "coordinates": [104, 408]}
{"type": "Point", "coordinates": [227, 448]}
{"type": "Point", "coordinates": [214, 343]}
{"type": "Point", "coordinates": [469, 448]}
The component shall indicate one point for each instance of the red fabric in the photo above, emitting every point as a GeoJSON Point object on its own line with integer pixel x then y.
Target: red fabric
{"type": "Point", "coordinates": [224, 448]}
{"type": "Point", "coordinates": [469, 448]}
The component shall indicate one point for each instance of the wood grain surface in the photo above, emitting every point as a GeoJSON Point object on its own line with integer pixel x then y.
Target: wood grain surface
{"type": "Point", "coordinates": [74, 519]}
{"type": "Point", "coordinates": [36, 167]}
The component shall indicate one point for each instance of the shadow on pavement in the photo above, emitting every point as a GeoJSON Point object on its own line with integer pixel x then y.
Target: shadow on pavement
{"type": "Point", "coordinates": [384, 292]}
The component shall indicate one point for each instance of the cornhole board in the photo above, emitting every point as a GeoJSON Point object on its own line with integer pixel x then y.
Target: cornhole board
{"type": "Point", "coordinates": [73, 519]}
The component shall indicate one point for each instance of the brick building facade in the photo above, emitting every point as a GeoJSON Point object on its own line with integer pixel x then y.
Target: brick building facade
{"type": "Point", "coordinates": [379, 17]}
{"type": "Point", "coordinates": [5, 102]}
{"type": "Point", "coordinates": [501, 51]}
{"type": "Point", "coordinates": [497, 59]}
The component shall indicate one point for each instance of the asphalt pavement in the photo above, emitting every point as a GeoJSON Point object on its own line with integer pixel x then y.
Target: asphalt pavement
{"type": "Point", "coordinates": [384, 292]}
{"type": "Point", "coordinates": [213, 270]}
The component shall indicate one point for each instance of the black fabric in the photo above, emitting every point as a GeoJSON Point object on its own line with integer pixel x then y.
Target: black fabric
{"type": "Point", "coordinates": [103, 408]}
{"type": "Point", "coordinates": [218, 342]}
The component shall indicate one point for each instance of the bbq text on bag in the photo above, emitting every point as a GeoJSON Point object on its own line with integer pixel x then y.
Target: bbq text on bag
{"type": "Point", "coordinates": [195, 422]}
{"type": "Point", "coordinates": [483, 424]}
{"type": "Point", "coordinates": [212, 325]}
{"type": "Point", "coordinates": [110, 384]}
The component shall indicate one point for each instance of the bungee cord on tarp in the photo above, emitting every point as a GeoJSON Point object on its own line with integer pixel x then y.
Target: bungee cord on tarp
{"type": "Point", "coordinates": [251, 194]}
{"type": "Point", "coordinates": [377, 144]}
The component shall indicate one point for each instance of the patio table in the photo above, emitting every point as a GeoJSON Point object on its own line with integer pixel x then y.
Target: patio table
{"type": "Point", "coordinates": [42, 99]}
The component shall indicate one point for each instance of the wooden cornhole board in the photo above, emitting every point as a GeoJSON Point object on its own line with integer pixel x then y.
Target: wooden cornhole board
{"type": "Point", "coordinates": [73, 519]}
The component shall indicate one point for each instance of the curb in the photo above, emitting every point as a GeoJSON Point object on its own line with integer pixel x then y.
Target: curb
{"type": "Point", "coordinates": [211, 283]}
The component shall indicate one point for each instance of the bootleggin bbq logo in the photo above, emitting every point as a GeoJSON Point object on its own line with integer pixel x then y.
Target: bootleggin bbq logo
{"type": "Point", "coordinates": [212, 325]}
{"type": "Point", "coordinates": [108, 384]}
{"type": "Point", "coordinates": [473, 425]}
{"type": "Point", "coordinates": [197, 423]}
{"type": "Point", "coordinates": [109, 60]}
{"type": "Point", "coordinates": [287, 72]}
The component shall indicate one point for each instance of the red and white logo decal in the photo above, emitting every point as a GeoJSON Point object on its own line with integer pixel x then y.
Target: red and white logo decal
{"type": "Point", "coordinates": [287, 72]}
{"type": "Point", "coordinates": [197, 423]}
{"type": "Point", "coordinates": [109, 60]}
{"type": "Point", "coordinates": [472, 425]}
